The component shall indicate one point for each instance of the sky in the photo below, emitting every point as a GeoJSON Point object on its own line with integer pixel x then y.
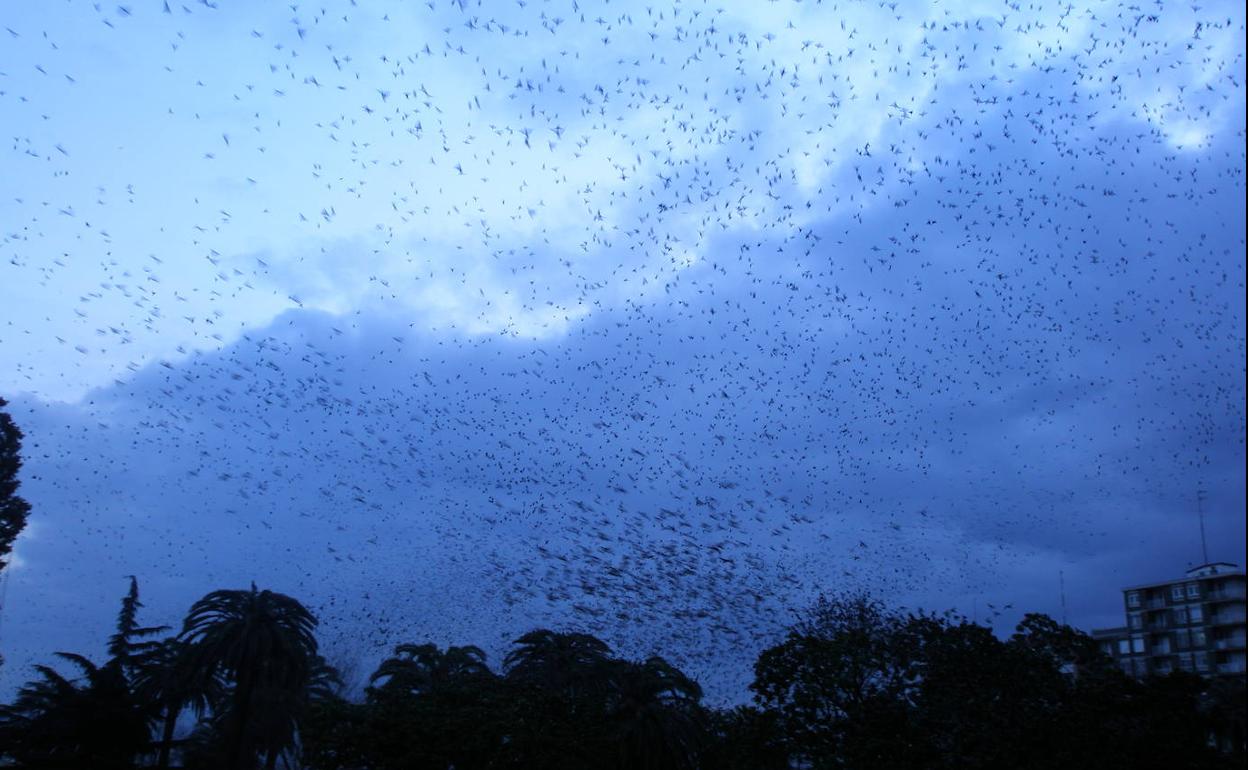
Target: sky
{"type": "Point", "coordinates": [652, 320]}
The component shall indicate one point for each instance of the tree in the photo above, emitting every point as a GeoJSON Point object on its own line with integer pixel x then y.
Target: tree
{"type": "Point", "coordinates": [57, 722]}
{"type": "Point", "coordinates": [1067, 649]}
{"type": "Point", "coordinates": [262, 642]}
{"type": "Point", "coordinates": [420, 669]}
{"type": "Point", "coordinates": [570, 664]}
{"type": "Point", "coordinates": [976, 701]}
{"type": "Point", "coordinates": [839, 684]}
{"type": "Point", "coordinates": [93, 721]}
{"type": "Point", "coordinates": [745, 738]}
{"type": "Point", "coordinates": [126, 649]}
{"type": "Point", "coordinates": [278, 720]}
{"type": "Point", "coordinates": [655, 717]}
{"type": "Point", "coordinates": [13, 509]}
{"type": "Point", "coordinates": [425, 708]}
{"type": "Point", "coordinates": [1224, 708]}
{"type": "Point", "coordinates": [562, 680]}
{"type": "Point", "coordinates": [857, 686]}
{"type": "Point", "coordinates": [167, 682]}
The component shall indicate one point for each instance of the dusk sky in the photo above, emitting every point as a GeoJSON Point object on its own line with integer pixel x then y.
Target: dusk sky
{"type": "Point", "coordinates": [653, 320]}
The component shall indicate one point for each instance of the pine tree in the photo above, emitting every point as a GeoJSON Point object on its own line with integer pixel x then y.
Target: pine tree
{"type": "Point", "coordinates": [13, 509]}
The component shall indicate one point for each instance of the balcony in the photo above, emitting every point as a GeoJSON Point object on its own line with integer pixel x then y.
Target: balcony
{"type": "Point", "coordinates": [1230, 668]}
{"type": "Point", "coordinates": [1233, 643]}
{"type": "Point", "coordinates": [1225, 593]}
{"type": "Point", "coordinates": [1158, 603]}
{"type": "Point", "coordinates": [1226, 618]}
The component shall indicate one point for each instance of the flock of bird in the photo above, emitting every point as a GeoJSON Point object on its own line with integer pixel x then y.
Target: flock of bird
{"type": "Point", "coordinates": [650, 319]}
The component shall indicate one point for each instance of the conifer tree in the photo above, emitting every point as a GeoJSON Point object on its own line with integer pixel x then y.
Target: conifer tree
{"type": "Point", "coordinates": [13, 509]}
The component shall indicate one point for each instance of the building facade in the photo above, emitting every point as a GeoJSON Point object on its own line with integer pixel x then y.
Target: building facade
{"type": "Point", "coordinates": [1195, 623]}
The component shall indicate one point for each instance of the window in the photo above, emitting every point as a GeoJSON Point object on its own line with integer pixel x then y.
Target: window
{"type": "Point", "coordinates": [1198, 637]}
{"type": "Point", "coordinates": [1176, 593]}
{"type": "Point", "coordinates": [1179, 615]}
{"type": "Point", "coordinates": [1196, 613]}
{"type": "Point", "coordinates": [1133, 598]}
{"type": "Point", "coordinates": [1202, 661]}
{"type": "Point", "coordinates": [1124, 646]}
{"type": "Point", "coordinates": [1136, 620]}
{"type": "Point", "coordinates": [1137, 644]}
{"type": "Point", "coordinates": [1182, 639]}
{"type": "Point", "coordinates": [1163, 667]}
{"type": "Point", "coordinates": [1161, 646]}
{"type": "Point", "coordinates": [1193, 590]}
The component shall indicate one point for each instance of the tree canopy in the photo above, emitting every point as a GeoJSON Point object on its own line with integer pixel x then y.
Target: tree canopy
{"type": "Point", "coordinates": [853, 684]}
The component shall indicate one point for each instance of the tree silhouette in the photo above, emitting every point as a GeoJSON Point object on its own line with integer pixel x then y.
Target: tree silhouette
{"type": "Point", "coordinates": [838, 683]}
{"type": "Point", "coordinates": [57, 722]}
{"type": "Point", "coordinates": [425, 707]}
{"type": "Point", "coordinates": [280, 713]}
{"type": "Point", "coordinates": [263, 643]}
{"type": "Point", "coordinates": [13, 509]}
{"type": "Point", "coordinates": [420, 669]}
{"type": "Point", "coordinates": [92, 721]}
{"type": "Point", "coordinates": [854, 684]}
{"type": "Point", "coordinates": [570, 664]}
{"type": "Point", "coordinates": [167, 682]}
{"type": "Point", "coordinates": [655, 716]}
{"type": "Point", "coordinates": [126, 647]}
{"type": "Point", "coordinates": [745, 738]}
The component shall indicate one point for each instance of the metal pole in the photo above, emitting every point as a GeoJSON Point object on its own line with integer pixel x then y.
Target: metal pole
{"type": "Point", "coordinates": [1061, 579]}
{"type": "Point", "coordinates": [1200, 509]}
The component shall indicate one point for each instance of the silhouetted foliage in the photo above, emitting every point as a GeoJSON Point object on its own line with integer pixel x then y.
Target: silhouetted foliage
{"type": "Point", "coordinates": [93, 720]}
{"type": "Point", "coordinates": [857, 686]}
{"type": "Point", "coordinates": [262, 642]}
{"type": "Point", "coordinates": [13, 509]}
{"type": "Point", "coordinates": [170, 681]}
{"type": "Point", "coordinates": [839, 684]}
{"type": "Point", "coordinates": [245, 664]}
{"type": "Point", "coordinates": [854, 684]}
{"type": "Point", "coordinates": [745, 738]}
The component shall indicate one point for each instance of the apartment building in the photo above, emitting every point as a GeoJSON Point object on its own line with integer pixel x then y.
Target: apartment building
{"type": "Point", "coordinates": [1195, 623]}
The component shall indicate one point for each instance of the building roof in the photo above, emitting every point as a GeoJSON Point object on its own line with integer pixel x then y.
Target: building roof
{"type": "Point", "coordinates": [1219, 569]}
{"type": "Point", "coordinates": [1106, 633]}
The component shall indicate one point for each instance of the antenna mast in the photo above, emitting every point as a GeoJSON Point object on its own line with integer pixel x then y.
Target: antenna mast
{"type": "Point", "coordinates": [1061, 579]}
{"type": "Point", "coordinates": [1200, 510]}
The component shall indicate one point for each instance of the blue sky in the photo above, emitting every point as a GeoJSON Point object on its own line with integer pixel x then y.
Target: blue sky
{"type": "Point", "coordinates": [454, 319]}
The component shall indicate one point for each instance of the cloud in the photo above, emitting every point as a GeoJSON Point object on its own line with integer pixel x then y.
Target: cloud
{"type": "Point", "coordinates": [505, 188]}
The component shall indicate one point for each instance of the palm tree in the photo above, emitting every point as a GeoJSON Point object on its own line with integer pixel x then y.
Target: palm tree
{"type": "Point", "coordinates": [57, 722]}
{"type": "Point", "coordinates": [282, 713]}
{"type": "Point", "coordinates": [656, 715]}
{"type": "Point", "coordinates": [167, 681]}
{"type": "Point", "coordinates": [263, 643]}
{"type": "Point", "coordinates": [562, 681]}
{"type": "Point", "coordinates": [418, 669]}
{"type": "Point", "coordinates": [571, 664]}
